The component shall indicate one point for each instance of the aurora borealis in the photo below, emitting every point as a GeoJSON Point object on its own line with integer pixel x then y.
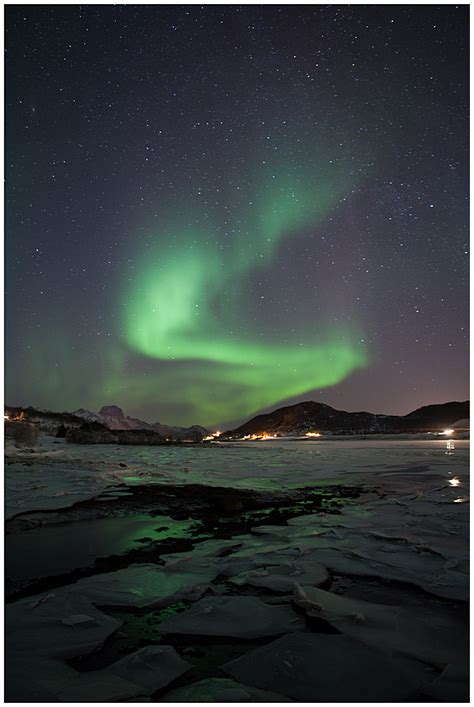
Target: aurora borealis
{"type": "Point", "coordinates": [212, 210]}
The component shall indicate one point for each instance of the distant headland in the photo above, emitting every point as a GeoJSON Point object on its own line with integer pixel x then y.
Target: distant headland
{"type": "Point", "coordinates": [306, 420]}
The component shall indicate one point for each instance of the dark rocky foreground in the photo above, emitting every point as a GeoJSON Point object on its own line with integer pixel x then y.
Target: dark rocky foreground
{"type": "Point", "coordinates": [238, 595]}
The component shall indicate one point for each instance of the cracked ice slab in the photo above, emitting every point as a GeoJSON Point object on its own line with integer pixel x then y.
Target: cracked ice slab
{"type": "Point", "coordinates": [152, 667]}
{"type": "Point", "coordinates": [283, 577]}
{"type": "Point", "coordinates": [234, 616]}
{"type": "Point", "coordinates": [221, 690]}
{"type": "Point", "coordinates": [452, 685]}
{"type": "Point", "coordinates": [44, 487]}
{"type": "Point", "coordinates": [433, 639]}
{"type": "Point", "coordinates": [310, 667]}
{"type": "Point", "coordinates": [52, 681]}
{"type": "Point", "coordinates": [415, 539]}
{"type": "Point", "coordinates": [149, 585]}
{"type": "Point", "coordinates": [47, 625]}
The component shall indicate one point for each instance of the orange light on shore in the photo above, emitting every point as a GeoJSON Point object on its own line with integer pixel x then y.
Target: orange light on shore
{"type": "Point", "coordinates": [312, 434]}
{"type": "Point", "coordinates": [212, 436]}
{"type": "Point", "coordinates": [6, 418]}
{"type": "Point", "coordinates": [447, 432]}
{"type": "Point", "coordinates": [262, 436]}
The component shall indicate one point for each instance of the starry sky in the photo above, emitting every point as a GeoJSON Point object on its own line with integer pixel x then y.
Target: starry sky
{"type": "Point", "coordinates": [216, 210]}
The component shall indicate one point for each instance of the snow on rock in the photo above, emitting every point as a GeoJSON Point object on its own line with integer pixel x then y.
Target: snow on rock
{"type": "Point", "coordinates": [147, 585]}
{"type": "Point", "coordinates": [311, 667]}
{"type": "Point", "coordinates": [152, 667]}
{"type": "Point", "coordinates": [221, 690]}
{"type": "Point", "coordinates": [114, 418]}
{"type": "Point", "coordinates": [389, 628]}
{"type": "Point", "coordinates": [236, 616]}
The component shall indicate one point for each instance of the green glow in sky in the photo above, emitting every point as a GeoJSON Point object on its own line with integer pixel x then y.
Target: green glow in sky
{"type": "Point", "coordinates": [187, 302]}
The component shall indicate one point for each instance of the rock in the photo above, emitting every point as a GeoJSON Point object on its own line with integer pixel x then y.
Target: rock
{"type": "Point", "coordinates": [112, 411]}
{"type": "Point", "coordinates": [90, 433]}
{"type": "Point", "coordinates": [221, 690]}
{"type": "Point", "coordinates": [236, 616]}
{"type": "Point", "coordinates": [152, 667]}
{"type": "Point", "coordinates": [24, 433]}
{"type": "Point", "coordinates": [324, 668]}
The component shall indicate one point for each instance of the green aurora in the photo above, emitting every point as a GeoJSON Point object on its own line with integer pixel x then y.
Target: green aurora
{"type": "Point", "coordinates": [186, 302]}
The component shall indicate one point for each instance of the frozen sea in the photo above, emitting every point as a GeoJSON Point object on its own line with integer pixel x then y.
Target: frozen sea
{"type": "Point", "coordinates": [55, 474]}
{"type": "Point", "coordinates": [389, 574]}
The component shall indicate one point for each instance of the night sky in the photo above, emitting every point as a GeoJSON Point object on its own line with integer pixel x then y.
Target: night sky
{"type": "Point", "coordinates": [214, 210]}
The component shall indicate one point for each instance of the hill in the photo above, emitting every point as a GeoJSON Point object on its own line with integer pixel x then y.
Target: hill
{"type": "Point", "coordinates": [314, 417]}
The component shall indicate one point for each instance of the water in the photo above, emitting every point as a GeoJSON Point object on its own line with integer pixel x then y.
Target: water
{"type": "Point", "coordinates": [61, 547]}
{"type": "Point", "coordinates": [265, 465]}
{"type": "Point", "coordinates": [57, 476]}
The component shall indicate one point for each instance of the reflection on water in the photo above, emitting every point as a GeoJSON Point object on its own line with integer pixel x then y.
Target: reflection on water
{"type": "Point", "coordinates": [461, 499]}
{"type": "Point", "coordinates": [455, 481]}
{"type": "Point", "coordinates": [450, 447]}
{"type": "Point", "coordinates": [61, 547]}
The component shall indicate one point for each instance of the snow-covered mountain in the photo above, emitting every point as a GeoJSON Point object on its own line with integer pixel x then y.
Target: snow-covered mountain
{"type": "Point", "coordinates": [114, 418]}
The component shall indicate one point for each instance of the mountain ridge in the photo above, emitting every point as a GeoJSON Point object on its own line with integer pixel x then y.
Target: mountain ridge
{"type": "Point", "coordinates": [311, 416]}
{"type": "Point", "coordinates": [111, 417]}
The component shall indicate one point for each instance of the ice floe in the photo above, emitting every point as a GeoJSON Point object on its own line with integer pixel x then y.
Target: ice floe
{"type": "Point", "coordinates": [237, 616]}
{"type": "Point", "coordinates": [434, 640]}
{"type": "Point", "coordinates": [311, 667]}
{"type": "Point", "coordinates": [221, 690]}
{"type": "Point", "coordinates": [147, 585]}
{"type": "Point", "coordinates": [59, 624]}
{"type": "Point", "coordinates": [282, 578]}
{"type": "Point", "coordinates": [152, 667]}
